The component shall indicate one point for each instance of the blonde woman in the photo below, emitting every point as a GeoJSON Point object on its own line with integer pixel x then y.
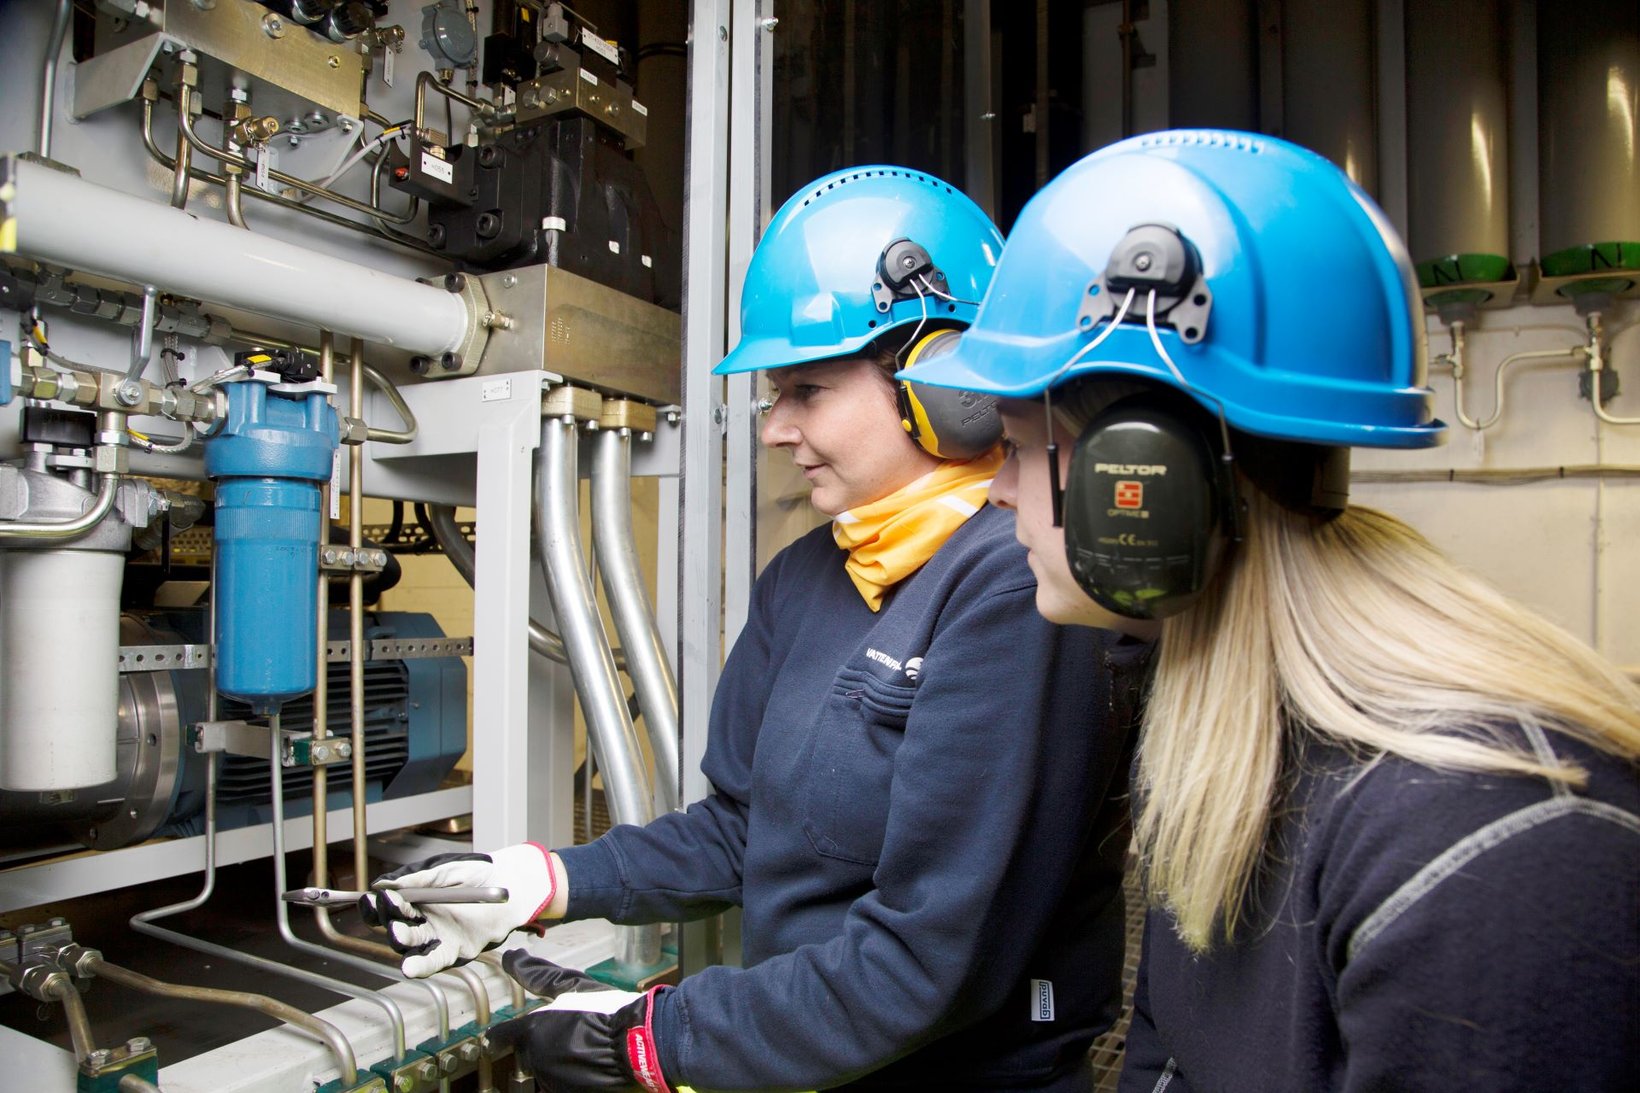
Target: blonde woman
{"type": "Point", "coordinates": [1387, 819]}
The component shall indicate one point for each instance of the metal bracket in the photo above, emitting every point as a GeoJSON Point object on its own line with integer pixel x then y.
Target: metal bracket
{"type": "Point", "coordinates": [296, 749]}
{"type": "Point", "coordinates": [1187, 315]}
{"type": "Point", "coordinates": [338, 652]}
{"type": "Point", "coordinates": [163, 658]}
{"type": "Point", "coordinates": [336, 559]}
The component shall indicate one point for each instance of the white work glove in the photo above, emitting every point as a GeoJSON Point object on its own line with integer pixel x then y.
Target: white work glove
{"type": "Point", "coordinates": [433, 936]}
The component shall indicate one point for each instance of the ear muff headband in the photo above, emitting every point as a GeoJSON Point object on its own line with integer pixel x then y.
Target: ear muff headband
{"type": "Point", "coordinates": [945, 422]}
{"type": "Point", "coordinates": [1145, 504]}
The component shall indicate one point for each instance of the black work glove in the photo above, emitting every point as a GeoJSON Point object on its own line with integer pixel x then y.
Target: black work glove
{"type": "Point", "coordinates": [590, 1038]}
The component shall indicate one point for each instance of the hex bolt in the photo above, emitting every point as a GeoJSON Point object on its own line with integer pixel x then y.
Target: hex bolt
{"type": "Point", "coordinates": [509, 280]}
{"type": "Point", "coordinates": [138, 1044]}
{"type": "Point", "coordinates": [450, 362]}
{"type": "Point", "coordinates": [469, 1052]}
{"type": "Point", "coordinates": [403, 1083]}
{"type": "Point", "coordinates": [427, 1070]}
{"type": "Point", "coordinates": [273, 26]}
{"type": "Point", "coordinates": [99, 1058]}
{"type": "Point", "coordinates": [128, 393]}
{"type": "Point", "coordinates": [449, 1062]}
{"type": "Point", "coordinates": [455, 282]}
{"type": "Point", "coordinates": [57, 922]}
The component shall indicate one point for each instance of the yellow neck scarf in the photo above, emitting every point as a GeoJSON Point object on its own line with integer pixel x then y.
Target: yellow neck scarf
{"type": "Point", "coordinates": [890, 539]}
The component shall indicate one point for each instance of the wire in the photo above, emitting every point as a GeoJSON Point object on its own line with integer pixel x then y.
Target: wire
{"type": "Point", "coordinates": [1116, 321]}
{"type": "Point", "coordinates": [945, 295]}
{"type": "Point", "coordinates": [1161, 351]}
{"type": "Point", "coordinates": [899, 355]}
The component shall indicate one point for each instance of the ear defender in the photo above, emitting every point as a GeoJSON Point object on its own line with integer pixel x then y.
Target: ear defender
{"type": "Point", "coordinates": [1147, 501]}
{"type": "Point", "coordinates": [946, 422]}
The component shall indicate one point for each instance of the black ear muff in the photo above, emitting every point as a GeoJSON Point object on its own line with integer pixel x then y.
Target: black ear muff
{"type": "Point", "coordinates": [945, 422]}
{"type": "Point", "coordinates": [1145, 507]}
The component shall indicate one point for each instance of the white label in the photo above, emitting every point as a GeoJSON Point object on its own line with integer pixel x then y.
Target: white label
{"type": "Point", "coordinates": [495, 390]}
{"type": "Point", "coordinates": [600, 47]}
{"type": "Point", "coordinates": [553, 223]}
{"type": "Point", "coordinates": [1042, 1000]}
{"type": "Point", "coordinates": [640, 108]}
{"type": "Point", "coordinates": [614, 247]}
{"type": "Point", "coordinates": [387, 66]}
{"type": "Point", "coordinates": [336, 484]}
{"type": "Point", "coordinates": [438, 168]}
{"type": "Point", "coordinates": [589, 77]}
{"type": "Point", "coordinates": [644, 258]}
{"type": "Point", "coordinates": [264, 164]}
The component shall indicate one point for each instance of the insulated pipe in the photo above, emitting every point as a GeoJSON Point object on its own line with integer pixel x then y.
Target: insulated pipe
{"type": "Point", "coordinates": [327, 1033]}
{"type": "Point", "coordinates": [48, 80]}
{"type": "Point", "coordinates": [617, 555]}
{"type": "Point", "coordinates": [558, 533]}
{"type": "Point", "coordinates": [63, 220]}
{"type": "Point", "coordinates": [441, 521]}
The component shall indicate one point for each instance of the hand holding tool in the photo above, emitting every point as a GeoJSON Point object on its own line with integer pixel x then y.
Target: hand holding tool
{"type": "Point", "coordinates": [331, 897]}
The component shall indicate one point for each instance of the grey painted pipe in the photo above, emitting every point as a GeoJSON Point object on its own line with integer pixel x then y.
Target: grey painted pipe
{"type": "Point", "coordinates": [617, 553]}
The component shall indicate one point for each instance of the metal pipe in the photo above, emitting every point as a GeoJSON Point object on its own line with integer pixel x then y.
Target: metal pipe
{"type": "Point", "coordinates": [442, 521]}
{"type": "Point", "coordinates": [558, 535]}
{"type": "Point", "coordinates": [157, 154]}
{"type": "Point", "coordinates": [184, 157]}
{"type": "Point", "coordinates": [617, 553]}
{"type": "Point", "coordinates": [185, 127]}
{"type": "Point", "coordinates": [280, 885]}
{"type": "Point", "coordinates": [426, 79]}
{"type": "Point", "coordinates": [48, 82]}
{"type": "Point", "coordinates": [136, 1083]}
{"type": "Point", "coordinates": [234, 202]}
{"type": "Point", "coordinates": [324, 1031]}
{"type": "Point", "coordinates": [142, 337]}
{"type": "Point", "coordinates": [61, 219]}
{"type": "Point", "coordinates": [400, 407]}
{"type": "Point", "coordinates": [355, 606]}
{"type": "Point", "coordinates": [62, 990]}
{"type": "Point", "coordinates": [107, 489]}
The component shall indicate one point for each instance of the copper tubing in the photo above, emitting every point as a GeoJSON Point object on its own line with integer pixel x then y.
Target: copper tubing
{"type": "Point", "coordinates": [321, 1030]}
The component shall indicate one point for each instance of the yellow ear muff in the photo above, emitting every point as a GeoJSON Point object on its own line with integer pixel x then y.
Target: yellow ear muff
{"type": "Point", "coordinates": [946, 423]}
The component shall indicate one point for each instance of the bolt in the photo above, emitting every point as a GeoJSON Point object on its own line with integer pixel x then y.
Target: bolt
{"type": "Point", "coordinates": [454, 282]}
{"type": "Point", "coordinates": [99, 1058]}
{"type": "Point", "coordinates": [138, 1044]}
{"type": "Point", "coordinates": [403, 1083]}
{"type": "Point", "coordinates": [273, 26]}
{"type": "Point", "coordinates": [723, 34]}
{"type": "Point", "coordinates": [427, 1070]}
{"type": "Point", "coordinates": [56, 922]}
{"type": "Point", "coordinates": [449, 1062]}
{"type": "Point", "coordinates": [508, 280]}
{"type": "Point", "coordinates": [330, 555]}
{"type": "Point", "coordinates": [128, 393]}
{"type": "Point", "coordinates": [469, 1052]}
{"type": "Point", "coordinates": [333, 61]}
{"type": "Point", "coordinates": [720, 415]}
{"type": "Point", "coordinates": [450, 362]}
{"type": "Point", "coordinates": [1141, 262]}
{"type": "Point", "coordinates": [768, 24]}
{"type": "Point", "coordinates": [419, 365]}
{"type": "Point", "coordinates": [25, 929]}
{"type": "Point", "coordinates": [345, 750]}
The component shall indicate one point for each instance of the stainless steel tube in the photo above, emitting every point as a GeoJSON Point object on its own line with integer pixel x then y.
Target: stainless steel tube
{"type": "Point", "coordinates": [79, 1025]}
{"type": "Point", "coordinates": [324, 1031]}
{"type": "Point", "coordinates": [185, 155]}
{"type": "Point", "coordinates": [460, 552]}
{"type": "Point", "coordinates": [276, 779]}
{"type": "Point", "coordinates": [617, 553]}
{"type": "Point", "coordinates": [400, 407]}
{"type": "Point", "coordinates": [48, 80]}
{"type": "Point", "coordinates": [558, 534]}
{"type": "Point", "coordinates": [355, 613]}
{"type": "Point", "coordinates": [135, 1083]}
{"type": "Point", "coordinates": [234, 202]}
{"type": "Point", "coordinates": [108, 486]}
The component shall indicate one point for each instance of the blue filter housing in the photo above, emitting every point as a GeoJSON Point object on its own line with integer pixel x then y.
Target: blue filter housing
{"type": "Point", "coordinates": [268, 460]}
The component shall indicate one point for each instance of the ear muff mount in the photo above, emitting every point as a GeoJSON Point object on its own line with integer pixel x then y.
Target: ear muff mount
{"type": "Point", "coordinates": [944, 421]}
{"type": "Point", "coordinates": [1152, 258]}
{"type": "Point", "coordinates": [902, 261]}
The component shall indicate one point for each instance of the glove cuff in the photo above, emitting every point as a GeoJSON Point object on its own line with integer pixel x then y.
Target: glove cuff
{"type": "Point", "coordinates": [642, 1054]}
{"type": "Point", "coordinates": [552, 890]}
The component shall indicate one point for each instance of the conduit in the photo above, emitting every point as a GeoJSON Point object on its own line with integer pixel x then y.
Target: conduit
{"type": "Point", "coordinates": [441, 525]}
{"type": "Point", "coordinates": [62, 220]}
{"type": "Point", "coordinates": [617, 553]}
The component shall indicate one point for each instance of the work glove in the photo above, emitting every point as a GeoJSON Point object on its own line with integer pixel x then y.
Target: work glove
{"type": "Point", "coordinates": [433, 936]}
{"type": "Point", "coordinates": [590, 1038]}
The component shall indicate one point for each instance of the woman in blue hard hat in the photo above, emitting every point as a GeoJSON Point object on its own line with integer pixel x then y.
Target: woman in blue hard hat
{"type": "Point", "coordinates": [1386, 818]}
{"type": "Point", "coordinates": [907, 802]}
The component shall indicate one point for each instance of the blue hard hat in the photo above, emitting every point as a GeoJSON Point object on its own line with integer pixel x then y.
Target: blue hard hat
{"type": "Point", "coordinates": [1277, 290]}
{"type": "Point", "coordinates": [856, 254]}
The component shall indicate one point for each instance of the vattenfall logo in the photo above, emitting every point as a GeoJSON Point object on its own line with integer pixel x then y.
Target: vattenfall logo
{"type": "Point", "coordinates": [1130, 468]}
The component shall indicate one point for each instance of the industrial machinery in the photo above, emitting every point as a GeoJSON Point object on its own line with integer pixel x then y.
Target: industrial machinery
{"type": "Point", "coordinates": [277, 274]}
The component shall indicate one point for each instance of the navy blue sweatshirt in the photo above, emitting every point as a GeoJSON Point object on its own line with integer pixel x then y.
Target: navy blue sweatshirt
{"type": "Point", "coordinates": [1416, 930]}
{"type": "Point", "coordinates": [916, 816]}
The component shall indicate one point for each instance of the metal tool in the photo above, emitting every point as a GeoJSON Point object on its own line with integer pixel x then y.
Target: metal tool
{"type": "Point", "coordinates": [331, 897]}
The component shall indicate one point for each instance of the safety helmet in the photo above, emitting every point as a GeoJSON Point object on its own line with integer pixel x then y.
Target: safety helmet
{"type": "Point", "coordinates": [1257, 278]}
{"type": "Point", "coordinates": [856, 254]}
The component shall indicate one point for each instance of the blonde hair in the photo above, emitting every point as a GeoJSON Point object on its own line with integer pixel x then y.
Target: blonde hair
{"type": "Point", "coordinates": [1358, 632]}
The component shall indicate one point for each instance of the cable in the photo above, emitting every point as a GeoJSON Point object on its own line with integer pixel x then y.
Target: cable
{"type": "Point", "coordinates": [1161, 351]}
{"type": "Point", "coordinates": [945, 295]}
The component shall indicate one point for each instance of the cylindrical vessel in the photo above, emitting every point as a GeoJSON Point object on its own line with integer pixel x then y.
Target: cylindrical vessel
{"type": "Point", "coordinates": [60, 643]}
{"type": "Point", "coordinates": [1588, 135]}
{"type": "Point", "coordinates": [1329, 88]}
{"type": "Point", "coordinates": [268, 462]}
{"type": "Point", "coordinates": [1457, 141]}
{"type": "Point", "coordinates": [62, 219]}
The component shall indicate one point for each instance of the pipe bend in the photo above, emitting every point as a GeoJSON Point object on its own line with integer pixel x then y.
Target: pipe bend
{"type": "Point", "coordinates": [107, 489]}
